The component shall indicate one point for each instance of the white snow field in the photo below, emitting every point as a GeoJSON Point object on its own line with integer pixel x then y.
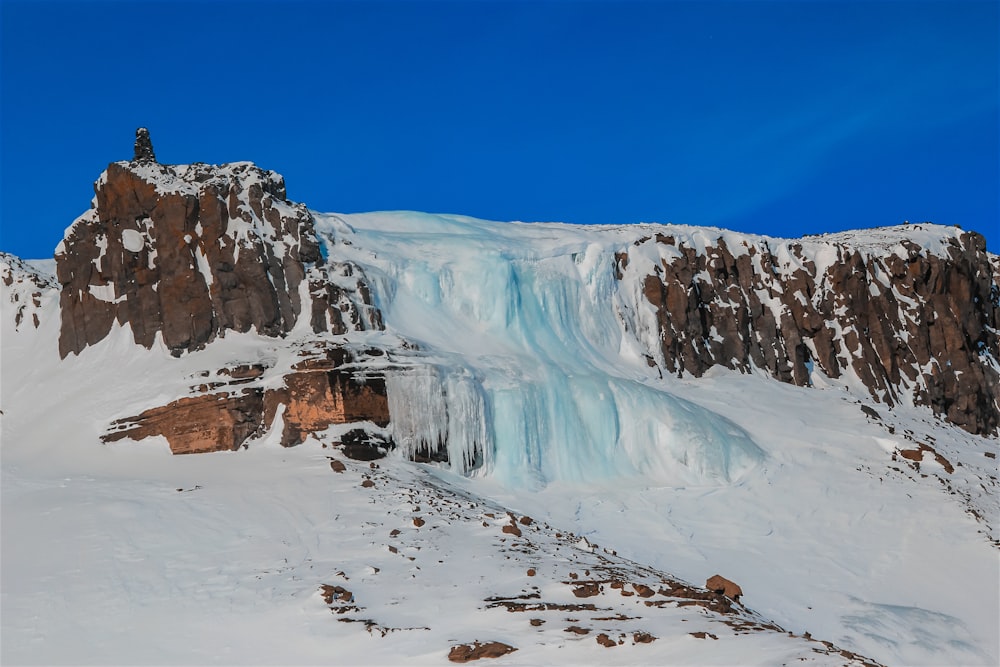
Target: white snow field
{"type": "Point", "coordinates": [530, 366]}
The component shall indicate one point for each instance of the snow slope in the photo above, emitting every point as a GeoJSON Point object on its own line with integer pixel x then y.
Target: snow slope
{"type": "Point", "coordinates": [530, 367]}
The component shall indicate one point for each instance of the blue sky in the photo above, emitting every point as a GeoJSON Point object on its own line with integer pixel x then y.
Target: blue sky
{"type": "Point", "coordinates": [782, 118]}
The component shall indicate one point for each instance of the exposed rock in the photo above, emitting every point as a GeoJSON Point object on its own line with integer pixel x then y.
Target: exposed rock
{"type": "Point", "coordinates": [719, 584]}
{"type": "Point", "coordinates": [466, 653]}
{"type": "Point", "coordinates": [314, 397]}
{"type": "Point", "coordinates": [143, 146]}
{"type": "Point", "coordinates": [360, 445]}
{"type": "Point", "coordinates": [23, 289]}
{"type": "Point", "coordinates": [206, 423]}
{"type": "Point", "coordinates": [188, 252]}
{"type": "Point", "coordinates": [606, 641]}
{"type": "Point", "coordinates": [904, 320]}
{"type": "Point", "coordinates": [587, 590]}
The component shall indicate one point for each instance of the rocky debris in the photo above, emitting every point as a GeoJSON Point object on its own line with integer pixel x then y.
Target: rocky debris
{"type": "Point", "coordinates": [719, 584]}
{"type": "Point", "coordinates": [702, 635]}
{"type": "Point", "coordinates": [577, 630]}
{"type": "Point", "coordinates": [337, 466]}
{"type": "Point", "coordinates": [643, 638]}
{"type": "Point", "coordinates": [143, 146]}
{"type": "Point", "coordinates": [604, 640]}
{"type": "Point", "coordinates": [467, 653]}
{"type": "Point", "coordinates": [905, 321]}
{"type": "Point", "coordinates": [188, 252]}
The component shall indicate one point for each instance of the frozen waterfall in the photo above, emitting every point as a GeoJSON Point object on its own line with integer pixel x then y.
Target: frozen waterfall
{"type": "Point", "coordinates": [531, 363]}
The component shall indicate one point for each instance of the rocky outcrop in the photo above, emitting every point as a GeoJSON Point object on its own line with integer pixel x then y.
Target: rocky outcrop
{"type": "Point", "coordinates": [195, 424]}
{"type": "Point", "coordinates": [185, 253]}
{"type": "Point", "coordinates": [23, 288]}
{"type": "Point", "coordinates": [912, 324]}
{"type": "Point", "coordinates": [321, 393]}
{"type": "Point", "coordinates": [719, 584]}
{"type": "Point", "coordinates": [143, 146]}
{"type": "Point", "coordinates": [242, 403]}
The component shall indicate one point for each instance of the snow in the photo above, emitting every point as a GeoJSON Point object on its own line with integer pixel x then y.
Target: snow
{"type": "Point", "coordinates": [133, 240]}
{"type": "Point", "coordinates": [528, 364]}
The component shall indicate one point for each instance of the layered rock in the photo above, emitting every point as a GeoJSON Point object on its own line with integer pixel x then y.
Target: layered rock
{"type": "Point", "coordinates": [187, 252]}
{"type": "Point", "coordinates": [221, 415]}
{"type": "Point", "coordinates": [912, 324]}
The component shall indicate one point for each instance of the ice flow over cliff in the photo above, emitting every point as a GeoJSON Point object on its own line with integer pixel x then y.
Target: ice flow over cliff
{"type": "Point", "coordinates": [534, 359]}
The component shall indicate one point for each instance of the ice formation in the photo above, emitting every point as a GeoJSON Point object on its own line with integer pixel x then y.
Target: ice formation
{"type": "Point", "coordinates": [531, 367]}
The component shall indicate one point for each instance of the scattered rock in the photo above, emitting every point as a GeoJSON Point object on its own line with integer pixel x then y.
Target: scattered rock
{"type": "Point", "coordinates": [367, 484]}
{"type": "Point", "coordinates": [643, 590]}
{"type": "Point", "coordinates": [338, 466]}
{"type": "Point", "coordinates": [512, 529]}
{"type": "Point", "coordinates": [536, 622]}
{"type": "Point", "coordinates": [587, 590]}
{"type": "Point", "coordinates": [531, 570]}
{"type": "Point", "coordinates": [525, 520]}
{"type": "Point", "coordinates": [643, 638]}
{"type": "Point", "coordinates": [576, 629]}
{"type": "Point", "coordinates": [606, 641]}
{"type": "Point", "coordinates": [418, 522]}
{"type": "Point", "coordinates": [466, 653]}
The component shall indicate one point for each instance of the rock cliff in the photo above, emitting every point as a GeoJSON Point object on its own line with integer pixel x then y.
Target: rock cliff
{"type": "Point", "coordinates": [187, 252]}
{"type": "Point", "coordinates": [913, 324]}
{"type": "Point", "coordinates": [182, 254]}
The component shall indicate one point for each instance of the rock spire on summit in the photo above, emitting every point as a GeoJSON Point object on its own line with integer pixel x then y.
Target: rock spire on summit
{"type": "Point", "coordinates": [143, 146]}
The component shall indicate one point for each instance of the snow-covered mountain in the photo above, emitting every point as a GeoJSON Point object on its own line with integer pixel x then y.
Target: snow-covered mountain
{"type": "Point", "coordinates": [541, 435]}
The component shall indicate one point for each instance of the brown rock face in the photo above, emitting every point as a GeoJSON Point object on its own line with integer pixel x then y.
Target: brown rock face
{"type": "Point", "coordinates": [206, 423]}
{"type": "Point", "coordinates": [187, 252]}
{"type": "Point", "coordinates": [313, 397]}
{"type": "Point", "coordinates": [909, 323]}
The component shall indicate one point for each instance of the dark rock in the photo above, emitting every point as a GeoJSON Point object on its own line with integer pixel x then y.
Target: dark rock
{"type": "Point", "coordinates": [360, 445]}
{"type": "Point", "coordinates": [903, 319]}
{"type": "Point", "coordinates": [191, 251]}
{"type": "Point", "coordinates": [143, 146]}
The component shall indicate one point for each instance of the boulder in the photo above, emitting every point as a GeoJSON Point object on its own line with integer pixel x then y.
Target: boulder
{"type": "Point", "coordinates": [719, 584]}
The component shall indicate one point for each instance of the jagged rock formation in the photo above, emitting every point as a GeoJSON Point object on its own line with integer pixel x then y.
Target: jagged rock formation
{"type": "Point", "coordinates": [910, 324]}
{"type": "Point", "coordinates": [188, 252]}
{"type": "Point", "coordinates": [143, 146]}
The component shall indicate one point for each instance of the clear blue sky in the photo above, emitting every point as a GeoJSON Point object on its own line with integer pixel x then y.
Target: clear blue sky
{"type": "Point", "coordinates": [783, 118]}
